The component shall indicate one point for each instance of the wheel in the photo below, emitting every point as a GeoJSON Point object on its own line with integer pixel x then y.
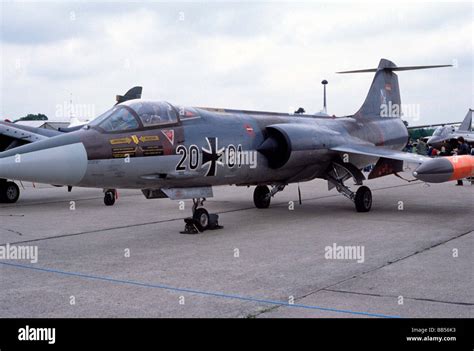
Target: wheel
{"type": "Point", "coordinates": [261, 197]}
{"type": "Point", "coordinates": [10, 192]}
{"type": "Point", "coordinates": [109, 198]}
{"type": "Point", "coordinates": [201, 218]}
{"type": "Point", "coordinates": [363, 199]}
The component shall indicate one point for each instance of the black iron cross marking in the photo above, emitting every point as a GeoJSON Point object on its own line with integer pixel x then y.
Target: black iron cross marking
{"type": "Point", "coordinates": [211, 155]}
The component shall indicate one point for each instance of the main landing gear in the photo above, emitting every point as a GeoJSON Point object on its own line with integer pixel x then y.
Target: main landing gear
{"type": "Point", "coordinates": [362, 198]}
{"type": "Point", "coordinates": [9, 192]}
{"type": "Point", "coordinates": [201, 219]}
{"type": "Point", "coordinates": [262, 195]}
{"type": "Point", "coordinates": [110, 195]}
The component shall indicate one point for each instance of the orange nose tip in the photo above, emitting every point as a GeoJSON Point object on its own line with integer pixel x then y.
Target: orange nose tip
{"type": "Point", "coordinates": [463, 166]}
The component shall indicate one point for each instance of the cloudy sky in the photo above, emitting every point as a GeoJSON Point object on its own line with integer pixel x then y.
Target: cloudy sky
{"type": "Point", "coordinates": [249, 55]}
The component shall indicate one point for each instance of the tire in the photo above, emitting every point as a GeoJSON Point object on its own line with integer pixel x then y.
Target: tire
{"type": "Point", "coordinates": [201, 218]}
{"type": "Point", "coordinates": [10, 193]}
{"type": "Point", "coordinates": [260, 196]}
{"type": "Point", "coordinates": [109, 198]}
{"type": "Point", "coordinates": [363, 199]}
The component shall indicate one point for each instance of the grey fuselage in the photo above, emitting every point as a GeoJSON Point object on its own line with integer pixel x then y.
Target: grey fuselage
{"type": "Point", "coordinates": [196, 150]}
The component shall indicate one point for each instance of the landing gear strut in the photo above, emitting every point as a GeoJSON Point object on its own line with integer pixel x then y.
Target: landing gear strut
{"type": "Point", "coordinates": [262, 195]}
{"type": "Point", "coordinates": [201, 219]}
{"type": "Point", "coordinates": [362, 198]}
{"type": "Point", "coordinates": [109, 197]}
{"type": "Point", "coordinates": [9, 192]}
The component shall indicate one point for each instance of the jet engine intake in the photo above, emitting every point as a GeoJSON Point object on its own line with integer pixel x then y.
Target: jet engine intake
{"type": "Point", "coordinates": [293, 145]}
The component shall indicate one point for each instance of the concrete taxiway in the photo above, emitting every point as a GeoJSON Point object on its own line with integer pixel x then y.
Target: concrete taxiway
{"type": "Point", "coordinates": [129, 260]}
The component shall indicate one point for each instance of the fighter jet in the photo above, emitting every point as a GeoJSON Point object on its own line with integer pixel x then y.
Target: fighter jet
{"type": "Point", "coordinates": [447, 134]}
{"type": "Point", "coordinates": [177, 152]}
{"type": "Point", "coordinates": [13, 135]}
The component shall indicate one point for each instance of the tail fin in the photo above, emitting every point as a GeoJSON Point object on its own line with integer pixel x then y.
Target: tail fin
{"type": "Point", "coordinates": [466, 125]}
{"type": "Point", "coordinates": [383, 99]}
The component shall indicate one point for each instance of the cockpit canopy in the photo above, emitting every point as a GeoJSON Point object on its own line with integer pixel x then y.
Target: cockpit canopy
{"type": "Point", "coordinates": [135, 114]}
{"type": "Point", "coordinates": [443, 131]}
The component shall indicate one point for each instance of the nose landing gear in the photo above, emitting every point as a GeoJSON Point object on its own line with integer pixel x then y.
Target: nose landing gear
{"type": "Point", "coordinates": [201, 219]}
{"type": "Point", "coordinates": [110, 195]}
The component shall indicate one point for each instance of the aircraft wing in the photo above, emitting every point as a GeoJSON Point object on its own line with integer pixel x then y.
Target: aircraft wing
{"type": "Point", "coordinates": [13, 135]}
{"type": "Point", "coordinates": [19, 131]}
{"type": "Point", "coordinates": [433, 125]}
{"type": "Point", "coordinates": [380, 151]}
{"type": "Point", "coordinates": [464, 126]}
{"type": "Point", "coordinates": [433, 170]}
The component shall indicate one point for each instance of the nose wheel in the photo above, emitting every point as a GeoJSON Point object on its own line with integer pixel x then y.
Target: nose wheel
{"type": "Point", "coordinates": [109, 197]}
{"type": "Point", "coordinates": [201, 219]}
{"type": "Point", "coordinates": [9, 192]}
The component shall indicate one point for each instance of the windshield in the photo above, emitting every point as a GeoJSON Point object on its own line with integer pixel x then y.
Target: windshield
{"type": "Point", "coordinates": [119, 119]}
{"type": "Point", "coordinates": [154, 113]}
{"type": "Point", "coordinates": [129, 114]}
{"type": "Point", "coordinates": [440, 131]}
{"type": "Point", "coordinates": [96, 121]}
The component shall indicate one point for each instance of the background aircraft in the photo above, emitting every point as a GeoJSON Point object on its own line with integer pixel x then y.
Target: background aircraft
{"type": "Point", "coordinates": [181, 152]}
{"type": "Point", "coordinates": [445, 133]}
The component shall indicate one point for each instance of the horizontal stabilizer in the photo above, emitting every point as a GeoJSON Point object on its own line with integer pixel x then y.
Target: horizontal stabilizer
{"type": "Point", "coordinates": [394, 69]}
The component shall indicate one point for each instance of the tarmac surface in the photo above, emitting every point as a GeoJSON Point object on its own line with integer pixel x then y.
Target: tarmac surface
{"type": "Point", "coordinates": [130, 260]}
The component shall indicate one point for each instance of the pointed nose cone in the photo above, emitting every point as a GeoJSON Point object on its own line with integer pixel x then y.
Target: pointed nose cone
{"type": "Point", "coordinates": [435, 140]}
{"type": "Point", "coordinates": [45, 162]}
